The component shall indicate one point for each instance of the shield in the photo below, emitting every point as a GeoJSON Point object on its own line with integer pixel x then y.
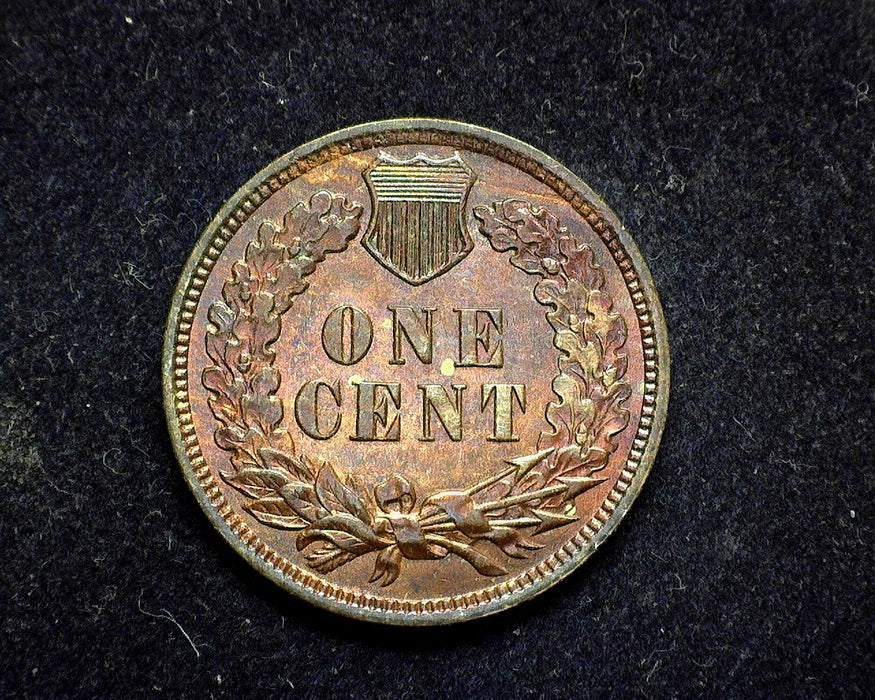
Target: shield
{"type": "Point", "coordinates": [417, 229]}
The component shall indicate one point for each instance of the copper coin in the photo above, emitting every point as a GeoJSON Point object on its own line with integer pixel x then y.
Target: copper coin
{"type": "Point", "coordinates": [415, 371]}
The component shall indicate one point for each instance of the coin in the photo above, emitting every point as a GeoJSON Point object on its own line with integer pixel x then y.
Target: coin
{"type": "Point", "coordinates": [415, 371]}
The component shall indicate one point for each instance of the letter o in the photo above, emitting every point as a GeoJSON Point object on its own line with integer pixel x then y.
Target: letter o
{"type": "Point", "coordinates": [347, 335]}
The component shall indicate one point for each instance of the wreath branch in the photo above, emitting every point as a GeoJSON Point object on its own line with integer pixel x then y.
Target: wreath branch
{"type": "Point", "coordinates": [589, 334]}
{"type": "Point", "coordinates": [338, 519]}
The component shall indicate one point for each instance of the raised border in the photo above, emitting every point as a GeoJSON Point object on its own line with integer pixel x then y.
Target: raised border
{"type": "Point", "coordinates": [307, 584]}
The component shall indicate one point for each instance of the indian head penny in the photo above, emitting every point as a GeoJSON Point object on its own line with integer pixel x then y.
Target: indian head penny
{"type": "Point", "coordinates": [415, 371]}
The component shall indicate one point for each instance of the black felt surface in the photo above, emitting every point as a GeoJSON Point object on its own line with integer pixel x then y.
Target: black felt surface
{"type": "Point", "coordinates": [735, 140]}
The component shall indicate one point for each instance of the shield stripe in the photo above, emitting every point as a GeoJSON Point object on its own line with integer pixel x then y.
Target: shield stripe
{"type": "Point", "coordinates": [397, 234]}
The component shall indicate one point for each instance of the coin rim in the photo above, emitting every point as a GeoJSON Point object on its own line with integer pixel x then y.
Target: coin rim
{"type": "Point", "coordinates": [513, 597]}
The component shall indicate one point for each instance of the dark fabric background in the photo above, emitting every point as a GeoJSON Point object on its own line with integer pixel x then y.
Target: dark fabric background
{"type": "Point", "coordinates": [735, 140]}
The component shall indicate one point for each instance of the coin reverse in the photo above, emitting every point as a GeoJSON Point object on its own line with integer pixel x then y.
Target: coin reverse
{"type": "Point", "coordinates": [415, 371]}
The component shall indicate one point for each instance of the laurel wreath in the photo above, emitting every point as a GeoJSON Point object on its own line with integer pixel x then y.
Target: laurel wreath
{"type": "Point", "coordinates": [339, 519]}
